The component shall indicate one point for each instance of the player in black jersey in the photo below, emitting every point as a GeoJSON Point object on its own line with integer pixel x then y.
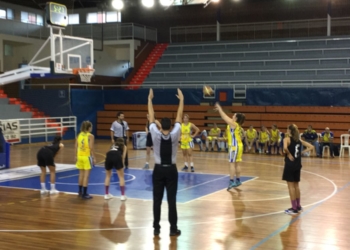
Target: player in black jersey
{"type": "Point", "coordinates": [45, 157]}
{"type": "Point", "coordinates": [115, 158]}
{"type": "Point", "coordinates": [292, 165]}
{"type": "Point", "coordinates": [149, 143]}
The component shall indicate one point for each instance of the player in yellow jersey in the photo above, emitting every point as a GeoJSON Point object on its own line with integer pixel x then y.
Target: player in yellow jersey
{"type": "Point", "coordinates": [262, 143]}
{"type": "Point", "coordinates": [234, 140]}
{"type": "Point", "coordinates": [213, 137]}
{"type": "Point", "coordinates": [250, 139]}
{"type": "Point", "coordinates": [187, 141]}
{"type": "Point", "coordinates": [275, 140]}
{"type": "Point", "coordinates": [84, 149]}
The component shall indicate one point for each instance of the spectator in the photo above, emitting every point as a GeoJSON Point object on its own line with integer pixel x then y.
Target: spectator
{"type": "Point", "coordinates": [223, 138]}
{"type": "Point", "coordinates": [274, 140]}
{"type": "Point", "coordinates": [327, 140]}
{"type": "Point", "coordinates": [200, 139]}
{"type": "Point", "coordinates": [214, 134]}
{"type": "Point", "coordinates": [251, 136]}
{"type": "Point", "coordinates": [263, 140]}
{"type": "Point", "coordinates": [311, 137]}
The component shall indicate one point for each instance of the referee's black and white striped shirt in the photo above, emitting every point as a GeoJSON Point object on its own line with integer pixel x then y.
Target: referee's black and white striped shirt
{"type": "Point", "coordinates": [165, 146]}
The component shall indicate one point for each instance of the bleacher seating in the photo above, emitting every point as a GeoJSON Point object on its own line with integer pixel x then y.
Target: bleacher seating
{"type": "Point", "coordinates": [203, 117]}
{"type": "Point", "coordinates": [14, 108]}
{"type": "Point", "coordinates": [282, 61]}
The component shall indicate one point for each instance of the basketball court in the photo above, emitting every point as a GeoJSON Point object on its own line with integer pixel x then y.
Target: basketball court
{"type": "Point", "coordinates": [249, 217]}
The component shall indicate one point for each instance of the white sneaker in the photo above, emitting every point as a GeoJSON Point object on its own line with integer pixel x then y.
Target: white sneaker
{"type": "Point", "coordinates": [44, 191]}
{"type": "Point", "coordinates": [54, 191]}
{"type": "Point", "coordinates": [108, 196]}
{"type": "Point", "coordinates": [123, 198]}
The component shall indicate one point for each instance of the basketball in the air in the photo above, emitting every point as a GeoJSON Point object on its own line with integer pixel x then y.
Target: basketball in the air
{"type": "Point", "coordinates": [208, 91]}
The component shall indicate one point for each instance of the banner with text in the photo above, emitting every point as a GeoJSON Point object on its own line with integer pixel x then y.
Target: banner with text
{"type": "Point", "coordinates": [11, 130]}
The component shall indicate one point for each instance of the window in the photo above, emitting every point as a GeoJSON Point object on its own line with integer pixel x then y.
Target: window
{"type": "Point", "coordinates": [8, 50]}
{"type": "Point", "coordinates": [112, 16]}
{"type": "Point", "coordinates": [103, 17]}
{"type": "Point", "coordinates": [73, 19]}
{"type": "Point", "coordinates": [2, 14]}
{"type": "Point", "coordinates": [24, 17]}
{"type": "Point", "coordinates": [31, 18]}
{"type": "Point", "coordinates": [10, 14]}
{"type": "Point", "coordinates": [91, 18]}
{"type": "Point", "coordinates": [39, 20]}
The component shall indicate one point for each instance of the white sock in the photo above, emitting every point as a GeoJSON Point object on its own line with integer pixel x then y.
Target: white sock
{"type": "Point", "coordinates": [207, 144]}
{"type": "Point", "coordinates": [53, 187]}
{"type": "Point", "coordinates": [191, 164]}
{"type": "Point", "coordinates": [186, 164]}
{"type": "Point", "coordinates": [43, 186]}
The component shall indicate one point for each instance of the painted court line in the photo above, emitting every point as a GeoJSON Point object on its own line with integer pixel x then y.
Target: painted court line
{"type": "Point", "coordinates": [201, 198]}
{"type": "Point", "coordinates": [202, 184]}
{"type": "Point", "coordinates": [303, 214]}
{"type": "Point", "coordinates": [68, 176]}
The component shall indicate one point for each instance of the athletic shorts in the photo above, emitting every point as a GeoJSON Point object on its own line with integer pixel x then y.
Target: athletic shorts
{"type": "Point", "coordinates": [45, 157]}
{"type": "Point", "coordinates": [187, 145]}
{"type": "Point", "coordinates": [113, 160]}
{"type": "Point", "coordinates": [235, 153]}
{"type": "Point", "coordinates": [84, 162]}
{"type": "Point", "coordinates": [291, 171]}
{"type": "Point", "coordinates": [149, 142]}
{"type": "Point", "coordinates": [210, 138]}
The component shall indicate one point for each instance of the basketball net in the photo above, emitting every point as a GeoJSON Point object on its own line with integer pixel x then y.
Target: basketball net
{"type": "Point", "coordinates": [84, 73]}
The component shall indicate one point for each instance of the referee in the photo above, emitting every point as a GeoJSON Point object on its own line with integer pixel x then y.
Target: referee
{"type": "Point", "coordinates": [120, 129]}
{"type": "Point", "coordinates": [165, 173]}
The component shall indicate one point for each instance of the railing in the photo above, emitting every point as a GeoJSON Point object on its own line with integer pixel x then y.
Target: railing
{"type": "Point", "coordinates": [111, 31]}
{"type": "Point", "coordinates": [264, 30]}
{"type": "Point", "coordinates": [45, 127]}
{"type": "Point", "coordinates": [341, 83]}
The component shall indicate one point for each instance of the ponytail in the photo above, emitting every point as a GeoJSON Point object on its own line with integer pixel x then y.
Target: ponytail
{"type": "Point", "coordinates": [57, 140]}
{"type": "Point", "coordinates": [294, 132]}
{"type": "Point", "coordinates": [119, 143]}
{"type": "Point", "coordinates": [85, 126]}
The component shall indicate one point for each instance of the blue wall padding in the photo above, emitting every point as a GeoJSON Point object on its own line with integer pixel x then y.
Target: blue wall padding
{"type": "Point", "coordinates": [53, 102]}
{"type": "Point", "coordinates": [85, 104]}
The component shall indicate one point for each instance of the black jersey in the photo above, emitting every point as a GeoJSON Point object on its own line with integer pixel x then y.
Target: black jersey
{"type": "Point", "coordinates": [295, 150]}
{"type": "Point", "coordinates": [53, 148]}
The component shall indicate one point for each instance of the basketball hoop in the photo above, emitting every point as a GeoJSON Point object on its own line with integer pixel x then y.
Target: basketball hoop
{"type": "Point", "coordinates": [84, 73]}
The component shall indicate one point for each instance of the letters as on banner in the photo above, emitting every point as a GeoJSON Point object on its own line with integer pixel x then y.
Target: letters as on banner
{"type": "Point", "coordinates": [11, 130]}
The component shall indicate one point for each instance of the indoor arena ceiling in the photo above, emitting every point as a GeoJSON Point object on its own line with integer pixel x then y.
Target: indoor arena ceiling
{"type": "Point", "coordinates": [102, 4]}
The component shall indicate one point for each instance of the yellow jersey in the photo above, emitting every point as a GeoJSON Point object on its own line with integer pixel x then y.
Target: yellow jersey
{"type": "Point", "coordinates": [275, 135]}
{"type": "Point", "coordinates": [215, 131]}
{"type": "Point", "coordinates": [186, 133]}
{"type": "Point", "coordinates": [263, 136]}
{"type": "Point", "coordinates": [234, 136]}
{"type": "Point", "coordinates": [83, 144]}
{"type": "Point", "coordinates": [251, 134]}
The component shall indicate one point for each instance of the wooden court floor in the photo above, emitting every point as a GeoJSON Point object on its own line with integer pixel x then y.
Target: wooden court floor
{"type": "Point", "coordinates": [249, 217]}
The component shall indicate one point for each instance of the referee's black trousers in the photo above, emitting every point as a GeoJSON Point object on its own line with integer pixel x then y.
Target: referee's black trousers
{"type": "Point", "coordinates": [126, 156]}
{"type": "Point", "coordinates": [165, 178]}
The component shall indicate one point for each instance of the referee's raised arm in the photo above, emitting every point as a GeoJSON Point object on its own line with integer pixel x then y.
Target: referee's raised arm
{"type": "Point", "coordinates": [181, 106]}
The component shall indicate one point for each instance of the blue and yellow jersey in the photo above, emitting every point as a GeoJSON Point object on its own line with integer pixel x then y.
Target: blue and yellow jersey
{"type": "Point", "coordinates": [263, 136]}
{"type": "Point", "coordinates": [186, 133]}
{"type": "Point", "coordinates": [83, 144]}
{"type": "Point", "coordinates": [251, 134]}
{"type": "Point", "coordinates": [234, 136]}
